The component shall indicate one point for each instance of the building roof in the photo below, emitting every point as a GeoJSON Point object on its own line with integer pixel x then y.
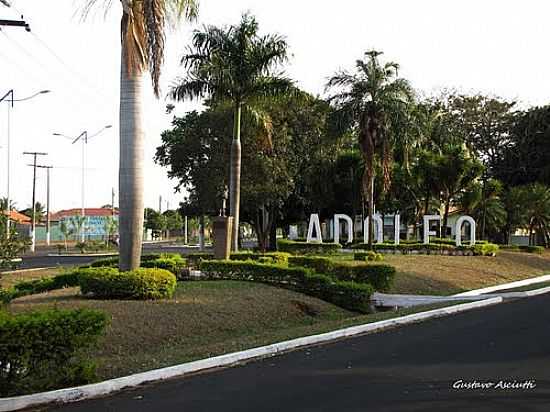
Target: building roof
{"type": "Point", "coordinates": [88, 212]}
{"type": "Point", "coordinates": [18, 217]}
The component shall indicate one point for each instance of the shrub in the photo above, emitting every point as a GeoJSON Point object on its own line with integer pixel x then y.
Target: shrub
{"type": "Point", "coordinates": [379, 276]}
{"type": "Point", "coordinates": [268, 257]}
{"type": "Point", "coordinates": [513, 248]}
{"type": "Point", "coordinates": [45, 350]}
{"type": "Point", "coordinates": [485, 249]}
{"type": "Point", "coordinates": [140, 284]}
{"type": "Point", "coordinates": [302, 248]}
{"type": "Point", "coordinates": [532, 249]}
{"type": "Point", "coordinates": [172, 262]}
{"type": "Point", "coordinates": [195, 259]}
{"type": "Point", "coordinates": [348, 295]}
{"type": "Point", "coordinates": [368, 255]}
{"type": "Point", "coordinates": [319, 264]}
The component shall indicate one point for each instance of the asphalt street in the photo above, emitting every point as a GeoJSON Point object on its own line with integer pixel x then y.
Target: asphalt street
{"type": "Point", "coordinates": [43, 259]}
{"type": "Point", "coordinates": [410, 368]}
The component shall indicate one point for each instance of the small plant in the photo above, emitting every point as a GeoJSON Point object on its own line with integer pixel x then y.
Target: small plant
{"type": "Point", "coordinates": [369, 255]}
{"type": "Point", "coordinates": [81, 246]}
{"type": "Point", "coordinates": [11, 247]}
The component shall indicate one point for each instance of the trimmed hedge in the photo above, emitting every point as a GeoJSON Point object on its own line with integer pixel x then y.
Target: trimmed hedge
{"type": "Point", "coordinates": [348, 295]}
{"type": "Point", "coordinates": [379, 276]}
{"type": "Point", "coordinates": [46, 350]}
{"type": "Point", "coordinates": [302, 248]}
{"type": "Point", "coordinates": [480, 248]}
{"type": "Point", "coordinates": [269, 257]}
{"type": "Point", "coordinates": [140, 284]}
{"type": "Point", "coordinates": [368, 255]}
{"type": "Point", "coordinates": [532, 249]}
{"type": "Point", "coordinates": [172, 262]}
{"type": "Point", "coordinates": [319, 264]}
{"type": "Point", "coordinates": [46, 284]}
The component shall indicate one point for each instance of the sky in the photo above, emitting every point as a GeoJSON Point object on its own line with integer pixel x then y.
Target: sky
{"type": "Point", "coordinates": [496, 47]}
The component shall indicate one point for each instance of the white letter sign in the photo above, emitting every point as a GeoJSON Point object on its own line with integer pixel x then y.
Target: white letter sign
{"type": "Point", "coordinates": [314, 225]}
{"type": "Point", "coordinates": [348, 220]}
{"type": "Point", "coordinates": [427, 231]}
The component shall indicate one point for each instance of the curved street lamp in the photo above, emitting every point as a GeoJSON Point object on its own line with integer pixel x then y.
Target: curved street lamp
{"type": "Point", "coordinates": [10, 102]}
{"type": "Point", "coordinates": [83, 137]}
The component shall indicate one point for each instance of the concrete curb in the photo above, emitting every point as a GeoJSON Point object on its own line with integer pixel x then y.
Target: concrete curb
{"type": "Point", "coordinates": [511, 285]}
{"type": "Point", "coordinates": [81, 254]}
{"type": "Point", "coordinates": [112, 385]}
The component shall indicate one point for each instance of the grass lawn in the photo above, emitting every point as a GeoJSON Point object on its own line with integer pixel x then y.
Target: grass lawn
{"type": "Point", "coordinates": [446, 275]}
{"type": "Point", "coordinates": [8, 279]}
{"type": "Point", "coordinates": [203, 319]}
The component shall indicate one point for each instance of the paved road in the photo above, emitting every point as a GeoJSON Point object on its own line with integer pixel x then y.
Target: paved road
{"type": "Point", "coordinates": [411, 368]}
{"type": "Point", "coordinates": [40, 260]}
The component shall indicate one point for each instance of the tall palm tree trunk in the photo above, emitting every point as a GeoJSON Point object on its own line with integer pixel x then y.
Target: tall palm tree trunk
{"type": "Point", "coordinates": [131, 167]}
{"type": "Point", "coordinates": [235, 178]}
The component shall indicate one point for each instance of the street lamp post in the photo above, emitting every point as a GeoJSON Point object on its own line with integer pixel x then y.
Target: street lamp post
{"type": "Point", "coordinates": [10, 102]}
{"type": "Point", "coordinates": [83, 137]}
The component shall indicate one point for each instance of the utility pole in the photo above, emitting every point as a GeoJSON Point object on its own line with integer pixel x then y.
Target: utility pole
{"type": "Point", "coordinates": [47, 201]}
{"type": "Point", "coordinates": [33, 220]}
{"type": "Point", "coordinates": [10, 108]}
{"type": "Point", "coordinates": [160, 204]}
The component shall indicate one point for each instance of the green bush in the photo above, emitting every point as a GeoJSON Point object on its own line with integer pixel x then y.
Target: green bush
{"type": "Point", "coordinates": [196, 258]}
{"type": "Point", "coordinates": [532, 249]}
{"type": "Point", "coordinates": [319, 264]}
{"type": "Point", "coordinates": [268, 257]}
{"type": "Point", "coordinates": [140, 284]}
{"type": "Point", "coordinates": [368, 255]}
{"type": "Point", "coordinates": [349, 295]}
{"type": "Point", "coordinates": [172, 262]}
{"type": "Point", "coordinates": [485, 249]}
{"type": "Point", "coordinates": [379, 276]}
{"type": "Point", "coordinates": [46, 350]}
{"type": "Point", "coordinates": [513, 248]}
{"type": "Point", "coordinates": [302, 248]}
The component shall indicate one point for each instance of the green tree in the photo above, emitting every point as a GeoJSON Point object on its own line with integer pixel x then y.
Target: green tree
{"type": "Point", "coordinates": [174, 221]}
{"type": "Point", "coordinates": [142, 32]}
{"type": "Point", "coordinates": [234, 65]}
{"type": "Point", "coordinates": [40, 212]}
{"type": "Point", "coordinates": [372, 99]}
{"type": "Point", "coordinates": [67, 230]}
{"type": "Point", "coordinates": [537, 211]}
{"type": "Point", "coordinates": [454, 171]}
{"type": "Point", "coordinates": [154, 221]}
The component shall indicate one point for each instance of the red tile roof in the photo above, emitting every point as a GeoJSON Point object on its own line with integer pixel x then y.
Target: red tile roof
{"type": "Point", "coordinates": [88, 212]}
{"type": "Point", "coordinates": [18, 217]}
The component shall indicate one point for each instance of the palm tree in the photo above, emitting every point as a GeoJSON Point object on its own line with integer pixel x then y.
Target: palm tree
{"type": "Point", "coordinates": [142, 30]}
{"type": "Point", "coordinates": [537, 211]}
{"type": "Point", "coordinates": [66, 230]}
{"type": "Point", "coordinates": [234, 65]}
{"type": "Point", "coordinates": [372, 99]}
